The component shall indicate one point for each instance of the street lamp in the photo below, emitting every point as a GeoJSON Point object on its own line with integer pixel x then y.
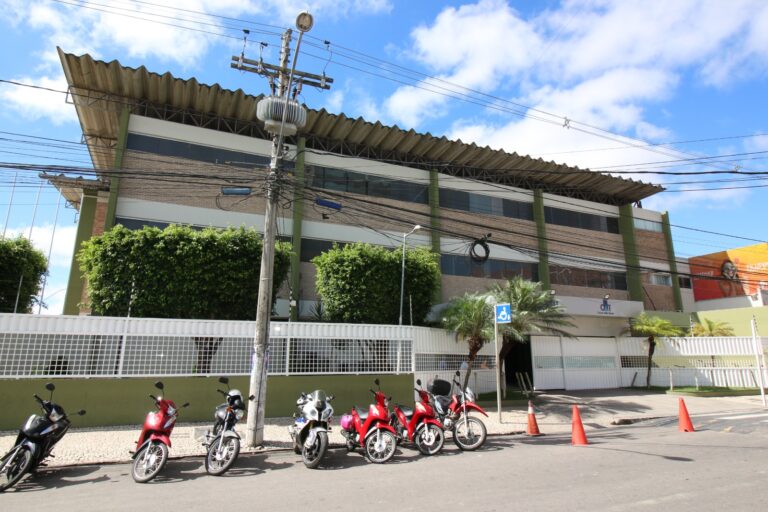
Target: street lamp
{"type": "Point", "coordinates": [402, 273]}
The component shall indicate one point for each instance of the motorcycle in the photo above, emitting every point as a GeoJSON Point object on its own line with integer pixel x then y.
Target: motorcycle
{"type": "Point", "coordinates": [310, 429]}
{"type": "Point", "coordinates": [152, 447]}
{"type": "Point", "coordinates": [371, 430]}
{"type": "Point", "coordinates": [453, 409]}
{"type": "Point", "coordinates": [419, 425]}
{"type": "Point", "coordinates": [223, 443]}
{"type": "Point", "coordinates": [35, 440]}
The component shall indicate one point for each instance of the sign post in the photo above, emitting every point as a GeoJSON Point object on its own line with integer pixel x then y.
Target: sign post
{"type": "Point", "coordinates": [502, 315]}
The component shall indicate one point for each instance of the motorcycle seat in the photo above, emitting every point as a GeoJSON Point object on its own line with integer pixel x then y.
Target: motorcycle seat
{"type": "Point", "coordinates": [363, 414]}
{"type": "Point", "coordinates": [407, 411]}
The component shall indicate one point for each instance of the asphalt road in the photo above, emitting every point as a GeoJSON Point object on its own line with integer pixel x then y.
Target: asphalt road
{"type": "Point", "coordinates": [639, 467]}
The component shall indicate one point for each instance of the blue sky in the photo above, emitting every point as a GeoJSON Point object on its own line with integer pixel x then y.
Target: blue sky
{"type": "Point", "coordinates": [630, 77]}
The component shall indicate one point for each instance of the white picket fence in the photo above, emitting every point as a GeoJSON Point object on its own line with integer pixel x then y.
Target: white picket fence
{"type": "Point", "coordinates": [595, 363]}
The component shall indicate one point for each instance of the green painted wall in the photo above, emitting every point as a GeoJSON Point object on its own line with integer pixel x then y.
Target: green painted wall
{"type": "Point", "coordinates": [434, 222]}
{"type": "Point", "coordinates": [632, 260]}
{"type": "Point", "coordinates": [125, 402]}
{"type": "Point", "coordinates": [740, 319]}
{"type": "Point", "coordinates": [298, 216]}
{"type": "Point", "coordinates": [84, 230]}
{"type": "Point", "coordinates": [672, 261]}
{"type": "Point", "coordinates": [541, 233]}
{"type": "Point", "coordinates": [114, 181]}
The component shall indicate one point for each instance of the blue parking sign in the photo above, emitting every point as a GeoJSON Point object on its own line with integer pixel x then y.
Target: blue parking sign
{"type": "Point", "coordinates": [503, 313]}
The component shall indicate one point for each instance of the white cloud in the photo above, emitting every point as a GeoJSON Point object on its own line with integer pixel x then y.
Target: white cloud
{"type": "Point", "coordinates": [63, 242]}
{"type": "Point", "coordinates": [34, 104]}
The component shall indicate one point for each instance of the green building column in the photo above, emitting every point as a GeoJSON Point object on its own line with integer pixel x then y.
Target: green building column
{"type": "Point", "coordinates": [114, 178]}
{"type": "Point", "coordinates": [76, 282]}
{"type": "Point", "coordinates": [541, 235]}
{"type": "Point", "coordinates": [298, 216]}
{"type": "Point", "coordinates": [434, 223]}
{"type": "Point", "coordinates": [672, 262]}
{"type": "Point", "coordinates": [631, 258]}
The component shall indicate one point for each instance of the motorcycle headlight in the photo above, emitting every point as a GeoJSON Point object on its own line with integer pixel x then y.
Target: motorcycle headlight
{"type": "Point", "coordinates": [55, 415]}
{"type": "Point", "coordinates": [239, 413]}
{"type": "Point", "coordinates": [171, 411]}
{"type": "Point", "coordinates": [386, 403]}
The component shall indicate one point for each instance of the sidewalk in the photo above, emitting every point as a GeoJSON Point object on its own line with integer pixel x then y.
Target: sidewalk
{"type": "Point", "coordinates": [599, 409]}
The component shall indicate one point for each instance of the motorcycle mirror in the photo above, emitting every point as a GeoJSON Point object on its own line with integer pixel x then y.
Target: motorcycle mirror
{"type": "Point", "coordinates": [376, 381]}
{"type": "Point", "coordinates": [159, 385]}
{"type": "Point", "coordinates": [186, 404]}
{"type": "Point", "coordinates": [224, 380]}
{"type": "Point", "coordinates": [458, 373]}
{"type": "Point", "coordinates": [418, 382]}
{"type": "Point", "coordinates": [50, 387]}
{"type": "Point", "coordinates": [252, 398]}
{"type": "Point", "coordinates": [81, 412]}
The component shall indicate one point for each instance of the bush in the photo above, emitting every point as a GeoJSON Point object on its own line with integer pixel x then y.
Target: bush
{"type": "Point", "coordinates": [178, 272]}
{"type": "Point", "coordinates": [360, 283]}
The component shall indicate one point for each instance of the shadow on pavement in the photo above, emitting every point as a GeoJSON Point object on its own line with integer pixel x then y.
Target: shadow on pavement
{"type": "Point", "coordinates": [56, 478]}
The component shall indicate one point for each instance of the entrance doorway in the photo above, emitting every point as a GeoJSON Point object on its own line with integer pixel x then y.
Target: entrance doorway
{"type": "Point", "coordinates": [518, 360]}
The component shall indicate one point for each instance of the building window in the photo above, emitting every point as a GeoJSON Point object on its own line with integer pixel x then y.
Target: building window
{"type": "Point", "coordinates": [661, 279]}
{"type": "Point", "coordinates": [648, 225]}
{"type": "Point", "coordinates": [485, 205]}
{"type": "Point", "coordinates": [365, 184]}
{"type": "Point", "coordinates": [178, 149]}
{"type": "Point", "coordinates": [684, 282]}
{"type": "Point", "coordinates": [462, 265]}
{"type": "Point", "coordinates": [571, 219]}
{"type": "Point", "coordinates": [588, 278]}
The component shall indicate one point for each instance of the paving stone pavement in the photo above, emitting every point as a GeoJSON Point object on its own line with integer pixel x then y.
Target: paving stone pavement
{"type": "Point", "coordinates": [599, 409]}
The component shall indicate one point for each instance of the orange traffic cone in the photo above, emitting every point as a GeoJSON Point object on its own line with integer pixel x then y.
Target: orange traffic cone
{"type": "Point", "coordinates": [684, 424]}
{"type": "Point", "coordinates": [533, 427]}
{"type": "Point", "coordinates": [578, 437]}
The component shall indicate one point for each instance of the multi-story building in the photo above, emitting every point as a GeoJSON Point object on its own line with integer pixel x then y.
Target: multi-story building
{"type": "Point", "coordinates": [164, 148]}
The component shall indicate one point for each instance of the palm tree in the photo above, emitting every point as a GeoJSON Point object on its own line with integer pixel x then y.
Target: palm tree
{"type": "Point", "coordinates": [653, 327]}
{"type": "Point", "coordinates": [711, 328]}
{"type": "Point", "coordinates": [533, 310]}
{"type": "Point", "coordinates": [471, 318]}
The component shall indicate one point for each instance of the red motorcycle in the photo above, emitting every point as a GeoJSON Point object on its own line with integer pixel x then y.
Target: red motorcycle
{"type": "Point", "coordinates": [419, 426]}
{"type": "Point", "coordinates": [371, 429]}
{"type": "Point", "coordinates": [453, 409]}
{"type": "Point", "coordinates": [152, 447]}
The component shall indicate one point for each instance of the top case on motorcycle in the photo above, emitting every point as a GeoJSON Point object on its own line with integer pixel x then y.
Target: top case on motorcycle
{"type": "Point", "coordinates": [442, 402]}
{"type": "Point", "coordinates": [439, 387]}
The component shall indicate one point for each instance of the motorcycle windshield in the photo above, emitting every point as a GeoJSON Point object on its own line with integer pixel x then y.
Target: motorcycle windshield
{"type": "Point", "coordinates": [318, 395]}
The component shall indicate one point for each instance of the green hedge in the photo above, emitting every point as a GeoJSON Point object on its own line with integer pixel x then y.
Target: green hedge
{"type": "Point", "coordinates": [177, 272]}
{"type": "Point", "coordinates": [21, 263]}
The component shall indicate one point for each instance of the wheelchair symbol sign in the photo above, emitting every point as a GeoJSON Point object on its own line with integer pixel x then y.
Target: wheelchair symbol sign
{"type": "Point", "coordinates": [503, 314]}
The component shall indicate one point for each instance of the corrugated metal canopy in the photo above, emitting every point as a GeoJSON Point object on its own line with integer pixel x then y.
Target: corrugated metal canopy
{"type": "Point", "coordinates": [100, 90]}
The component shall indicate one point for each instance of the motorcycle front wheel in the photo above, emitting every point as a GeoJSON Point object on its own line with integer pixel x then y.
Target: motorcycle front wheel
{"type": "Point", "coordinates": [469, 434]}
{"type": "Point", "coordinates": [430, 440]}
{"type": "Point", "coordinates": [221, 455]}
{"type": "Point", "coordinates": [380, 446]}
{"type": "Point", "coordinates": [14, 467]}
{"type": "Point", "coordinates": [314, 454]}
{"type": "Point", "coordinates": [149, 461]}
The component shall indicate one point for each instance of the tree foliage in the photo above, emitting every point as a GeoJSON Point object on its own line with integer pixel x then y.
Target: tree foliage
{"type": "Point", "coordinates": [178, 272]}
{"type": "Point", "coordinates": [20, 262]}
{"type": "Point", "coordinates": [471, 318]}
{"type": "Point", "coordinates": [653, 327]}
{"type": "Point", "coordinates": [712, 328]}
{"type": "Point", "coordinates": [360, 283]}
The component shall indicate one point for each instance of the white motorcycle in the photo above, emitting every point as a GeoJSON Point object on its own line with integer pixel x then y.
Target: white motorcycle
{"type": "Point", "coordinates": [311, 426]}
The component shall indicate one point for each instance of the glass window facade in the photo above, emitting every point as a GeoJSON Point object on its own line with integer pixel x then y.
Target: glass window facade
{"type": "Point", "coordinates": [462, 265]}
{"type": "Point", "coordinates": [486, 205]}
{"type": "Point", "coordinates": [365, 184]}
{"type": "Point", "coordinates": [588, 278]}
{"type": "Point", "coordinates": [177, 149]}
{"type": "Point", "coordinates": [571, 219]}
{"type": "Point", "coordinates": [648, 225]}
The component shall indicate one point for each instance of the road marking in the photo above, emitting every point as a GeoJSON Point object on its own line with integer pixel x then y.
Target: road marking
{"type": "Point", "coordinates": [745, 416]}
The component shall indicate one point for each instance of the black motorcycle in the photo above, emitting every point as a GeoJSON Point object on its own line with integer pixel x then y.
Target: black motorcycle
{"type": "Point", "coordinates": [223, 443]}
{"type": "Point", "coordinates": [35, 441]}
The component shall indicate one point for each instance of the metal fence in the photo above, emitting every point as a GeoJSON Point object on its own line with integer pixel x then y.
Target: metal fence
{"type": "Point", "coordinates": [39, 346]}
{"type": "Point", "coordinates": [592, 363]}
